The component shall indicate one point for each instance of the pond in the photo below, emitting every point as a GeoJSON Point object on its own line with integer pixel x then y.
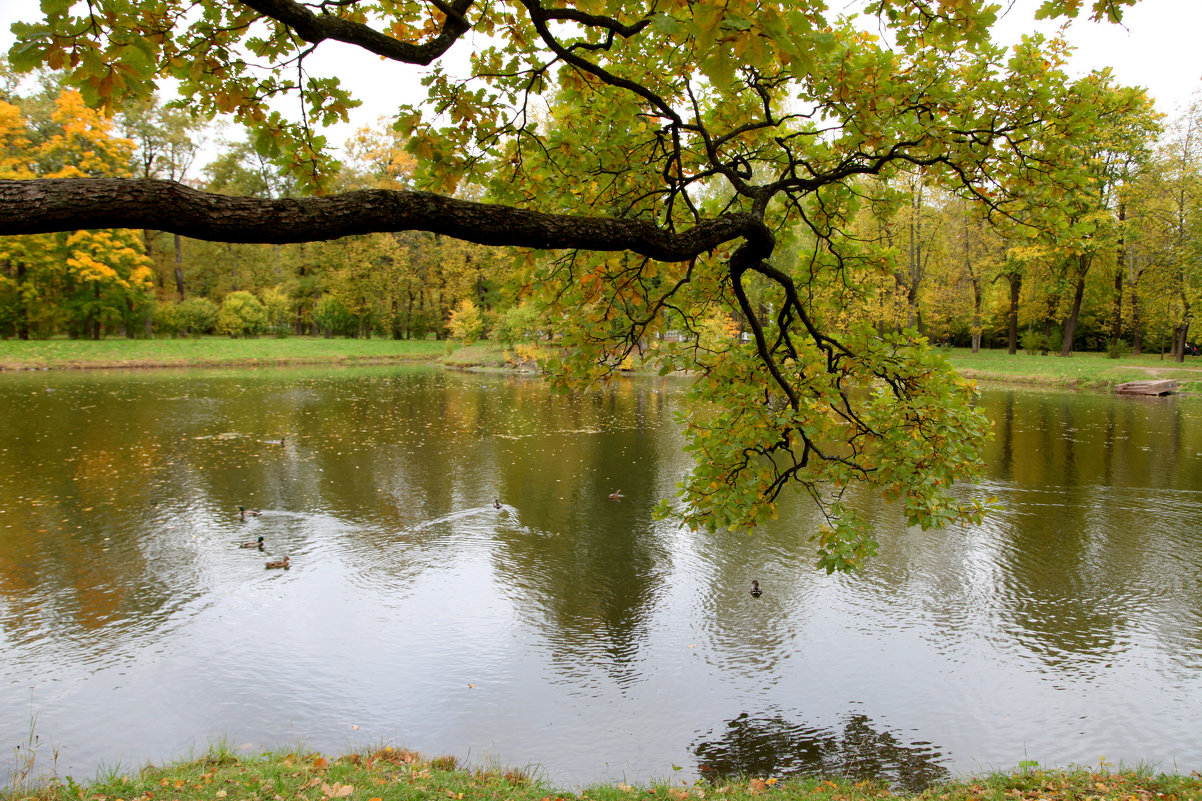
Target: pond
{"type": "Point", "coordinates": [566, 632]}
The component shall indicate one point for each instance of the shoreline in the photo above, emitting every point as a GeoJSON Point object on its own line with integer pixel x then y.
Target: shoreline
{"type": "Point", "coordinates": [1085, 372]}
{"type": "Point", "coordinates": [385, 773]}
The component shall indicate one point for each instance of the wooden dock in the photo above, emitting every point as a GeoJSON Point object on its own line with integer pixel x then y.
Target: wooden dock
{"type": "Point", "coordinates": [1160, 387]}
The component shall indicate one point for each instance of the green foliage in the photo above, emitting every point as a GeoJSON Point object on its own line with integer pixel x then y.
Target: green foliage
{"type": "Point", "coordinates": [1118, 348]}
{"type": "Point", "coordinates": [520, 323]}
{"type": "Point", "coordinates": [1034, 342]}
{"type": "Point", "coordinates": [333, 318]}
{"type": "Point", "coordinates": [278, 308]}
{"type": "Point", "coordinates": [241, 315]}
{"type": "Point", "coordinates": [166, 319]}
{"type": "Point", "coordinates": [197, 316]}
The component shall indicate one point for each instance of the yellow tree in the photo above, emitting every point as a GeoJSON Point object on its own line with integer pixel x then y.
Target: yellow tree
{"type": "Point", "coordinates": [88, 279]}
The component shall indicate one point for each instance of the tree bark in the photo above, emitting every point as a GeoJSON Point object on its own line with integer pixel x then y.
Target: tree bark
{"type": "Point", "coordinates": [179, 267]}
{"type": "Point", "coordinates": [45, 205]}
{"type": "Point", "coordinates": [1016, 284]}
{"type": "Point", "coordinates": [1070, 322]}
{"type": "Point", "coordinates": [1116, 325]}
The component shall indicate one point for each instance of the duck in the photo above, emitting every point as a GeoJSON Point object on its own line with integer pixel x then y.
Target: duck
{"type": "Point", "coordinates": [616, 496]}
{"type": "Point", "coordinates": [279, 441]}
{"type": "Point", "coordinates": [755, 588]}
{"type": "Point", "coordinates": [253, 544]}
{"type": "Point", "coordinates": [281, 563]}
{"type": "Point", "coordinates": [252, 512]}
{"type": "Point", "coordinates": [496, 503]}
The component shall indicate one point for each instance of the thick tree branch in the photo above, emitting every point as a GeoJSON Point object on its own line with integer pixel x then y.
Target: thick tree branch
{"type": "Point", "coordinates": [67, 204]}
{"type": "Point", "coordinates": [317, 28]}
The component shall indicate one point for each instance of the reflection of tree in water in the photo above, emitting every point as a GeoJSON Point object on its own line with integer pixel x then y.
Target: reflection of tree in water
{"type": "Point", "coordinates": [771, 745]}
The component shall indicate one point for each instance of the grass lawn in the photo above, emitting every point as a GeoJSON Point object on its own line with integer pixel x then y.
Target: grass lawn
{"type": "Point", "coordinates": [1079, 371]}
{"type": "Point", "coordinates": [210, 352]}
{"type": "Point", "coordinates": [390, 774]}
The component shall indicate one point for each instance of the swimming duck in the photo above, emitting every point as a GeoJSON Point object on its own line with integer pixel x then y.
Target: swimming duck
{"type": "Point", "coordinates": [253, 544]}
{"type": "Point", "coordinates": [496, 503]}
{"type": "Point", "coordinates": [282, 563]}
{"type": "Point", "coordinates": [755, 588]}
{"type": "Point", "coordinates": [616, 496]}
{"type": "Point", "coordinates": [252, 512]}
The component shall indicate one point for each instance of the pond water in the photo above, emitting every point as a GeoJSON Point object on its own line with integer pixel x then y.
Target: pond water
{"type": "Point", "coordinates": [565, 632]}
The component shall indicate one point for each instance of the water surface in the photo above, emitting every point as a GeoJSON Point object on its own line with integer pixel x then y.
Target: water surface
{"type": "Point", "coordinates": [567, 632]}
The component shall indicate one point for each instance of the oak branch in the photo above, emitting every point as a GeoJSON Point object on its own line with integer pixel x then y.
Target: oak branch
{"type": "Point", "coordinates": [39, 206]}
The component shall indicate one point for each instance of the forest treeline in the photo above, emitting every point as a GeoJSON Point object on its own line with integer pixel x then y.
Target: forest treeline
{"type": "Point", "coordinates": [1111, 266]}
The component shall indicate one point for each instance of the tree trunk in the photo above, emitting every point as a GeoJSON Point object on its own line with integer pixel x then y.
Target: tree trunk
{"type": "Point", "coordinates": [1016, 283]}
{"type": "Point", "coordinates": [1116, 323]}
{"type": "Point", "coordinates": [179, 268]}
{"type": "Point", "coordinates": [976, 316]}
{"type": "Point", "coordinates": [22, 306]}
{"type": "Point", "coordinates": [1137, 337]}
{"type": "Point", "coordinates": [1070, 323]}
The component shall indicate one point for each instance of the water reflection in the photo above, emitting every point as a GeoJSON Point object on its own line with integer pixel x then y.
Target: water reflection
{"type": "Point", "coordinates": [770, 745]}
{"type": "Point", "coordinates": [565, 627]}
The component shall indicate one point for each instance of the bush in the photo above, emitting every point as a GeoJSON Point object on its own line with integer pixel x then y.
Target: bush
{"type": "Point", "coordinates": [165, 319]}
{"type": "Point", "coordinates": [1033, 341]}
{"type": "Point", "coordinates": [333, 319]}
{"type": "Point", "coordinates": [278, 307]}
{"type": "Point", "coordinates": [242, 315]}
{"type": "Point", "coordinates": [1117, 349]}
{"type": "Point", "coordinates": [518, 324]}
{"type": "Point", "coordinates": [465, 324]}
{"type": "Point", "coordinates": [196, 316]}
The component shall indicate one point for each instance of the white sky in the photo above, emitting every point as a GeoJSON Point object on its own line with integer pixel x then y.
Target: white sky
{"type": "Point", "coordinates": [1157, 47]}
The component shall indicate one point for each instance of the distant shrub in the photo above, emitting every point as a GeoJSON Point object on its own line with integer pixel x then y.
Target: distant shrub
{"type": "Point", "coordinates": [1033, 341]}
{"type": "Point", "coordinates": [242, 315]}
{"type": "Point", "coordinates": [165, 319]}
{"type": "Point", "coordinates": [333, 319]}
{"type": "Point", "coordinates": [466, 324]}
{"type": "Point", "coordinates": [518, 324]}
{"type": "Point", "coordinates": [196, 316]}
{"type": "Point", "coordinates": [1117, 349]}
{"type": "Point", "coordinates": [278, 306]}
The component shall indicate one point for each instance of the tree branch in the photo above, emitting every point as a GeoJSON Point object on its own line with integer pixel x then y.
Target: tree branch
{"type": "Point", "coordinates": [47, 205]}
{"type": "Point", "coordinates": [317, 28]}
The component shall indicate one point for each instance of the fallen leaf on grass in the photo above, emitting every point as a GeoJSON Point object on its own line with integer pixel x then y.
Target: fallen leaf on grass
{"type": "Point", "coordinates": [337, 790]}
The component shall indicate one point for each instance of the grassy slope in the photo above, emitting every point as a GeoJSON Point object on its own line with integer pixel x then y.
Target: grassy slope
{"type": "Point", "coordinates": [1081, 370]}
{"type": "Point", "coordinates": [210, 351]}
{"type": "Point", "coordinates": [388, 774]}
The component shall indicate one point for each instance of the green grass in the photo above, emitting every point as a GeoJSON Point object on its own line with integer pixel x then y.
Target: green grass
{"type": "Point", "coordinates": [391, 774]}
{"type": "Point", "coordinates": [1079, 371]}
{"type": "Point", "coordinates": [210, 352]}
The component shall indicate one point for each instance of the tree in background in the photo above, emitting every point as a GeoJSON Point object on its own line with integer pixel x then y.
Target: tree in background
{"type": "Point", "coordinates": [85, 280]}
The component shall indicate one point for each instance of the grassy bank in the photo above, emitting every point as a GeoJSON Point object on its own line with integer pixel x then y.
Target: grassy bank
{"type": "Point", "coordinates": [211, 352]}
{"type": "Point", "coordinates": [1092, 371]}
{"type": "Point", "coordinates": [389, 774]}
{"type": "Point", "coordinates": [1080, 371]}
